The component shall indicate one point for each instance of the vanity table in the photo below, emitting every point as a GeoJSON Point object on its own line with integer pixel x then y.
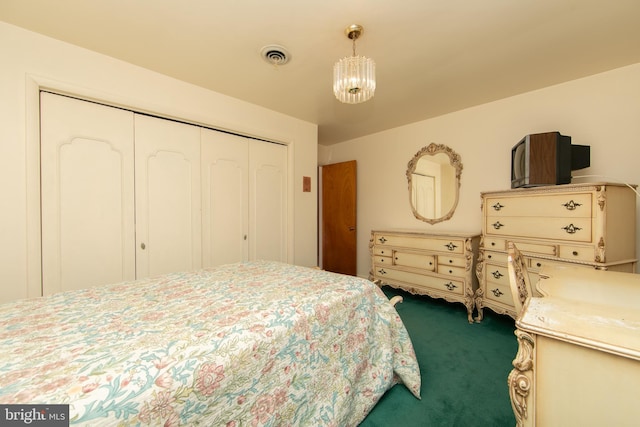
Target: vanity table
{"type": "Point", "coordinates": [578, 360]}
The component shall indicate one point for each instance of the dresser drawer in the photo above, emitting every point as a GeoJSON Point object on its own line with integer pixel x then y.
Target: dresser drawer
{"type": "Point", "coordinates": [452, 261]}
{"type": "Point", "coordinates": [440, 284]}
{"type": "Point", "coordinates": [415, 260]}
{"type": "Point", "coordinates": [454, 246]}
{"type": "Point", "coordinates": [574, 205]}
{"type": "Point", "coordinates": [549, 249]}
{"type": "Point", "coordinates": [381, 250]}
{"type": "Point", "coordinates": [495, 243]}
{"type": "Point", "coordinates": [567, 229]}
{"type": "Point", "coordinates": [500, 244]}
{"type": "Point", "coordinates": [499, 293]}
{"type": "Point", "coordinates": [496, 274]}
{"type": "Point", "coordinates": [450, 270]}
{"type": "Point", "coordinates": [578, 253]}
{"type": "Point", "coordinates": [383, 260]}
{"type": "Point", "coordinates": [496, 257]}
{"type": "Point", "coordinates": [536, 264]}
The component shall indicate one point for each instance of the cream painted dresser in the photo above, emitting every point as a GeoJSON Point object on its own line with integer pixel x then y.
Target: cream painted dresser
{"type": "Point", "coordinates": [588, 225]}
{"type": "Point", "coordinates": [437, 265]}
{"type": "Point", "coordinates": [578, 359]}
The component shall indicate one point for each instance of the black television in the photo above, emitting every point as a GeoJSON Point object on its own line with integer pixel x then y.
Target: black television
{"type": "Point", "coordinates": [546, 159]}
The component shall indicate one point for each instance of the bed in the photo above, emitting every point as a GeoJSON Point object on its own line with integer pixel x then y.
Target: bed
{"type": "Point", "coordinates": [258, 343]}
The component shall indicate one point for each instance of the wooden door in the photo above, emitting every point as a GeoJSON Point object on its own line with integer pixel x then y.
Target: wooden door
{"type": "Point", "coordinates": [225, 198]}
{"type": "Point", "coordinates": [339, 218]}
{"type": "Point", "coordinates": [168, 196]}
{"type": "Point", "coordinates": [87, 194]}
{"type": "Point", "coordinates": [268, 216]}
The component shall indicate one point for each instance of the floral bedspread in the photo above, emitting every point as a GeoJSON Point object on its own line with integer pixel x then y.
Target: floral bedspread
{"type": "Point", "coordinates": [260, 344]}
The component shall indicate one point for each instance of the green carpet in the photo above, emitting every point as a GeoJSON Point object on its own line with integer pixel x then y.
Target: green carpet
{"type": "Point", "coordinates": [464, 368]}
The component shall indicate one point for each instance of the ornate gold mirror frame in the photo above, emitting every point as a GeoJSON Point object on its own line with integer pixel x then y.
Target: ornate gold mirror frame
{"type": "Point", "coordinates": [434, 183]}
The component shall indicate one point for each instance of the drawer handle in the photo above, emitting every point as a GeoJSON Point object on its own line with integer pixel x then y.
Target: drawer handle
{"type": "Point", "coordinates": [489, 256]}
{"type": "Point", "coordinates": [381, 271]}
{"type": "Point", "coordinates": [575, 253]}
{"type": "Point", "coordinates": [571, 205]}
{"type": "Point", "coordinates": [450, 286]}
{"type": "Point", "coordinates": [497, 293]}
{"type": "Point", "coordinates": [450, 261]}
{"type": "Point", "coordinates": [571, 229]}
{"type": "Point", "coordinates": [382, 240]}
{"type": "Point", "coordinates": [497, 206]}
{"type": "Point", "coordinates": [450, 246]}
{"type": "Point", "coordinates": [496, 274]}
{"type": "Point", "coordinates": [538, 264]}
{"type": "Point", "coordinates": [497, 225]}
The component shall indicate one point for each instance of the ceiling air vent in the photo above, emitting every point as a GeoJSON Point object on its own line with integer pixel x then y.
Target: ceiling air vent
{"type": "Point", "coordinates": [275, 55]}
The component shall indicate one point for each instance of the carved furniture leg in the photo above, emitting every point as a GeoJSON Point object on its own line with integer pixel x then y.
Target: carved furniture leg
{"type": "Point", "coordinates": [520, 378]}
{"type": "Point", "coordinates": [469, 303]}
{"type": "Point", "coordinates": [479, 297]}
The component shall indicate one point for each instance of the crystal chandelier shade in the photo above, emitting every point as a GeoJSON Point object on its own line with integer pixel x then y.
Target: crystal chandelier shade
{"type": "Point", "coordinates": [354, 77]}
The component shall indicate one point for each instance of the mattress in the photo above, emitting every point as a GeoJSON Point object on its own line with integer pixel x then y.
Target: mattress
{"type": "Point", "coordinates": [258, 343]}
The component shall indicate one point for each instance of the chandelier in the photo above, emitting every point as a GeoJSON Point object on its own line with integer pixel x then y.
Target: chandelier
{"type": "Point", "coordinates": [354, 77]}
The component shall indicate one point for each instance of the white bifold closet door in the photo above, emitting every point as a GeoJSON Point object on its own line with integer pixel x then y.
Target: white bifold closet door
{"type": "Point", "coordinates": [87, 194]}
{"type": "Point", "coordinates": [168, 216]}
{"type": "Point", "coordinates": [244, 183]}
{"type": "Point", "coordinates": [267, 201]}
{"type": "Point", "coordinates": [120, 195]}
{"type": "Point", "coordinates": [127, 196]}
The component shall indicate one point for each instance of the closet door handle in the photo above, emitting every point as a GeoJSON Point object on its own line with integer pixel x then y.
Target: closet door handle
{"type": "Point", "coordinates": [143, 246]}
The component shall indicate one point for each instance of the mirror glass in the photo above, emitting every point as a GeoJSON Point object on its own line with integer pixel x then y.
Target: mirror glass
{"type": "Point", "coordinates": [434, 183]}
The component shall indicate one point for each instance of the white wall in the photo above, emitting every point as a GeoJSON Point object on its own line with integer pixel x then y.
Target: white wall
{"type": "Point", "coordinates": [602, 111]}
{"type": "Point", "coordinates": [30, 61]}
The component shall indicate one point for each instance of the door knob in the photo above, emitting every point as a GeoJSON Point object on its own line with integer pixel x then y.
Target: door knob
{"type": "Point", "coordinates": [143, 246]}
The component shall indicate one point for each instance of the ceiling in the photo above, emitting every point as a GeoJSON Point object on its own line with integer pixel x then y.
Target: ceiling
{"type": "Point", "coordinates": [432, 56]}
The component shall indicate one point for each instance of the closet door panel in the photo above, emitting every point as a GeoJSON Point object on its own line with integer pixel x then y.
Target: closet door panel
{"type": "Point", "coordinates": [268, 201]}
{"type": "Point", "coordinates": [87, 194]}
{"type": "Point", "coordinates": [168, 218]}
{"type": "Point", "coordinates": [225, 214]}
